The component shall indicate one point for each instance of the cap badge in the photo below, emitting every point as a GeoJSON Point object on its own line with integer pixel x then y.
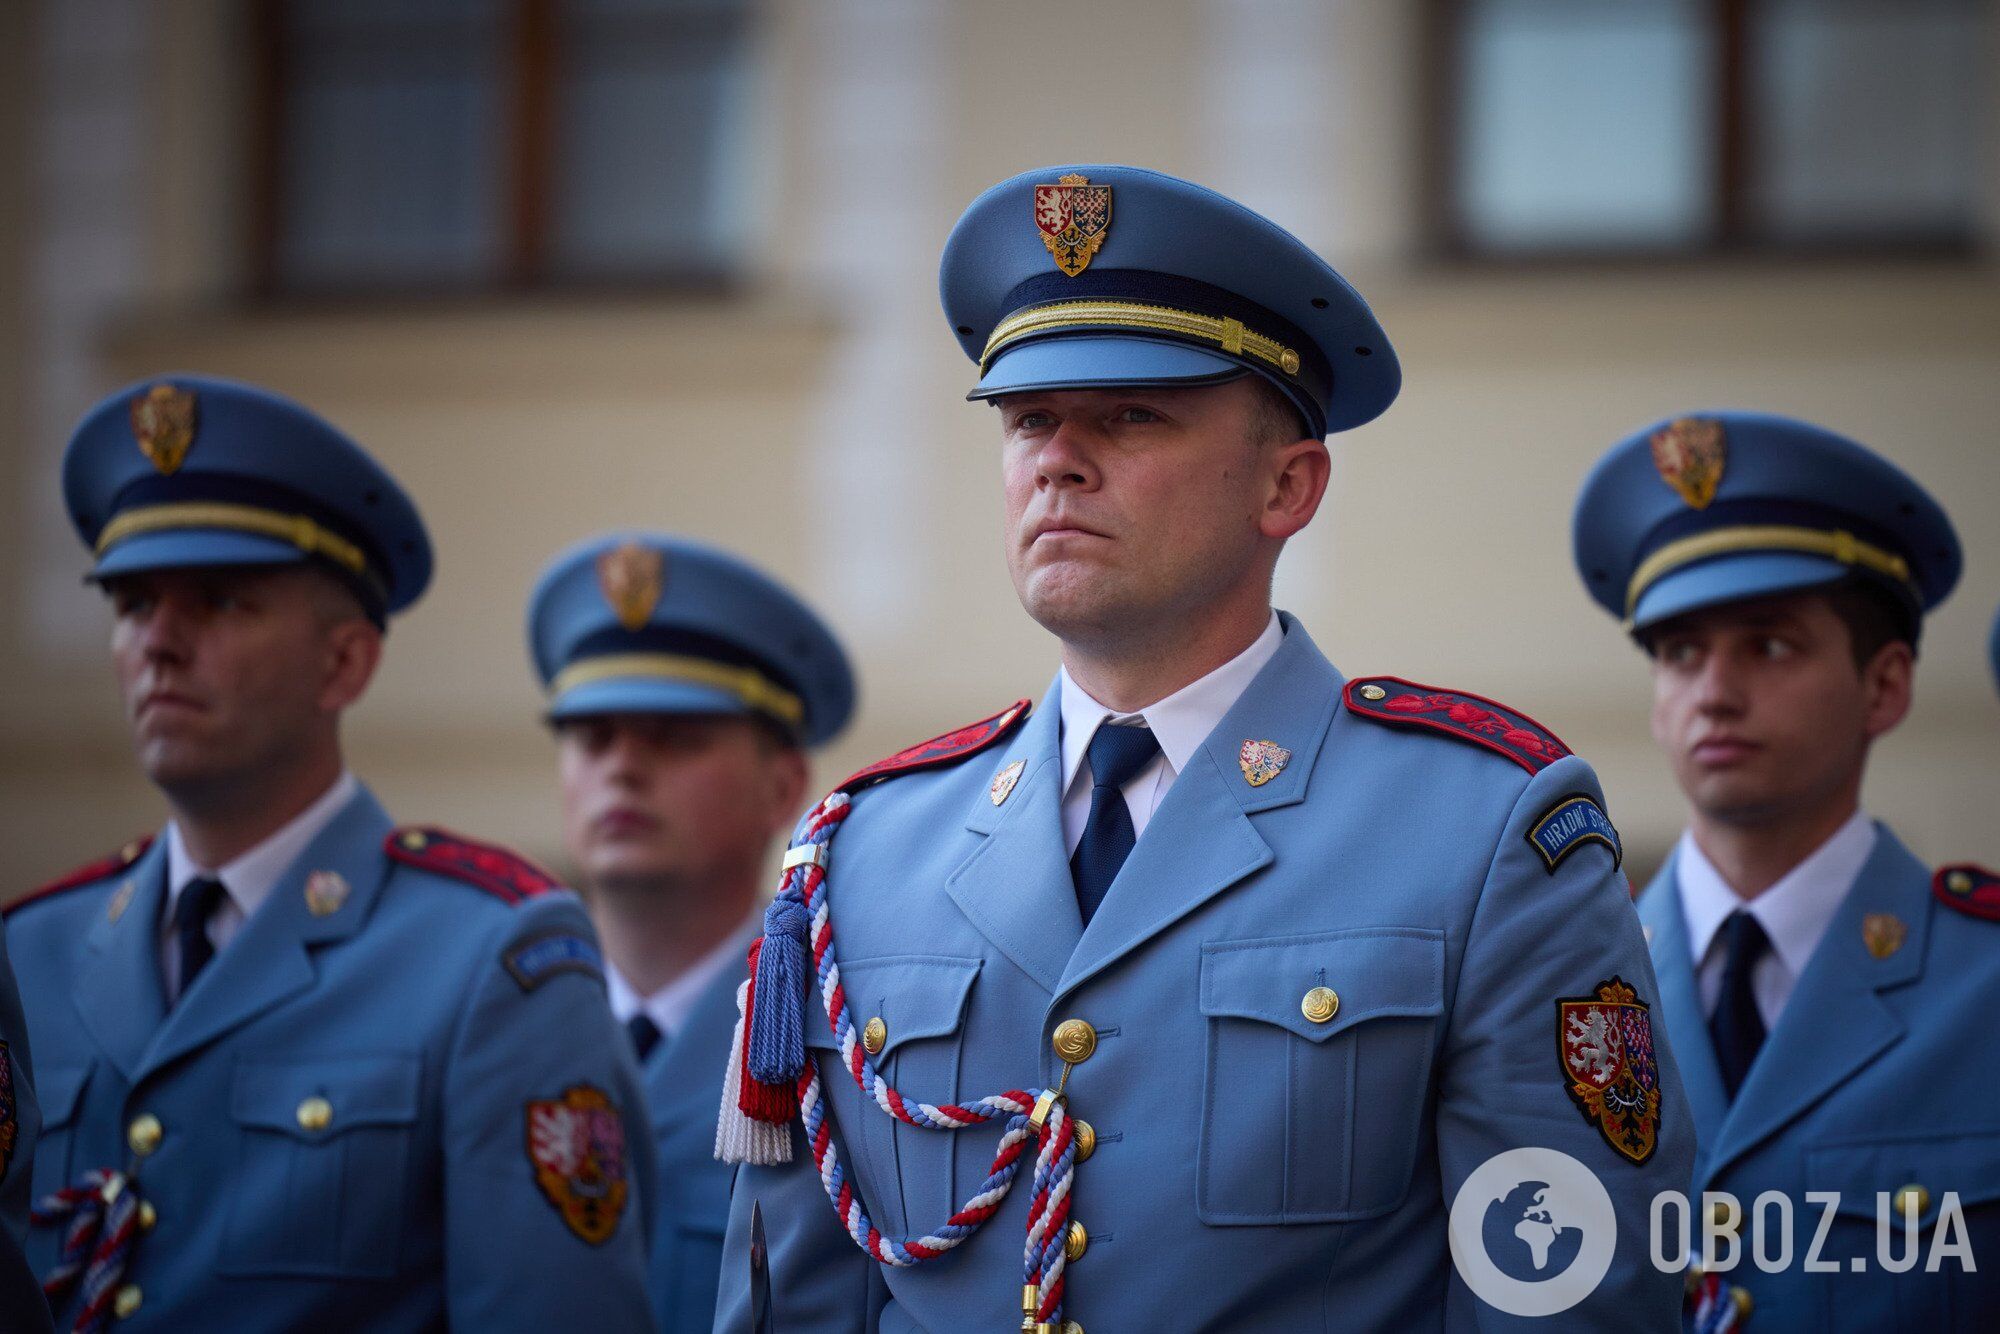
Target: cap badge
{"type": "Point", "coordinates": [1073, 216]}
{"type": "Point", "coordinates": [1003, 782]}
{"type": "Point", "coordinates": [1262, 761]}
{"type": "Point", "coordinates": [1883, 933]}
{"type": "Point", "coordinates": [1690, 453]}
{"type": "Point", "coordinates": [325, 892]}
{"type": "Point", "coordinates": [163, 424]}
{"type": "Point", "coordinates": [632, 576]}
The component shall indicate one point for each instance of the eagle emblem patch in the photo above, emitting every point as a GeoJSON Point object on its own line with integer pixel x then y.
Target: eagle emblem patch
{"type": "Point", "coordinates": [1073, 217]}
{"type": "Point", "coordinates": [1605, 1044]}
{"type": "Point", "coordinates": [163, 424]}
{"type": "Point", "coordinates": [632, 576]}
{"type": "Point", "coordinates": [1261, 761]}
{"type": "Point", "coordinates": [1690, 453]}
{"type": "Point", "coordinates": [577, 1145]}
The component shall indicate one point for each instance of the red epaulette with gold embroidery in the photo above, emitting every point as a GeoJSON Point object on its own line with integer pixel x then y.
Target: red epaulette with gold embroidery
{"type": "Point", "coordinates": [1972, 889]}
{"type": "Point", "coordinates": [500, 872]}
{"type": "Point", "coordinates": [953, 746]}
{"type": "Point", "coordinates": [1473, 718]}
{"type": "Point", "coordinates": [90, 874]}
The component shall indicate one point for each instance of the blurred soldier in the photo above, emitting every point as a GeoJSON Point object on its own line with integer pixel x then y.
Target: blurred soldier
{"type": "Point", "coordinates": [1820, 985]}
{"type": "Point", "coordinates": [22, 1307]}
{"type": "Point", "coordinates": [298, 1067]}
{"type": "Point", "coordinates": [1219, 976]}
{"type": "Point", "coordinates": [684, 688]}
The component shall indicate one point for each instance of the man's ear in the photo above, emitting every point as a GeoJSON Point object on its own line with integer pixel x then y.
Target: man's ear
{"type": "Point", "coordinates": [1299, 472]}
{"type": "Point", "coordinates": [1888, 683]}
{"type": "Point", "coordinates": [353, 651]}
{"type": "Point", "coordinates": [789, 772]}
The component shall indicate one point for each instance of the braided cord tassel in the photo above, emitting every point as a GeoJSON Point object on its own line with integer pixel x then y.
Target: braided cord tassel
{"type": "Point", "coordinates": [102, 1215]}
{"type": "Point", "coordinates": [1715, 1309]}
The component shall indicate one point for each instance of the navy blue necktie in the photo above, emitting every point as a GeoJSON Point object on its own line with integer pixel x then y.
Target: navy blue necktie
{"type": "Point", "coordinates": [197, 903]}
{"type": "Point", "coordinates": [645, 1034]}
{"type": "Point", "coordinates": [1117, 754]}
{"type": "Point", "coordinates": [1736, 1027]}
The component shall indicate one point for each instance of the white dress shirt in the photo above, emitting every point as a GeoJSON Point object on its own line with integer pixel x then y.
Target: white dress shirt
{"type": "Point", "coordinates": [246, 881]}
{"type": "Point", "coordinates": [1180, 723]}
{"type": "Point", "coordinates": [1795, 912]}
{"type": "Point", "coordinates": [670, 1006]}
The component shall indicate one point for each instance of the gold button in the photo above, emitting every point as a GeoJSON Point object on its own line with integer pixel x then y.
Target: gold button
{"type": "Point", "coordinates": [1958, 882]}
{"type": "Point", "coordinates": [127, 1301]}
{"type": "Point", "coordinates": [1071, 1327]}
{"type": "Point", "coordinates": [315, 1114]}
{"type": "Point", "coordinates": [413, 839]}
{"type": "Point", "coordinates": [1075, 1040]}
{"type": "Point", "coordinates": [1740, 1299]}
{"type": "Point", "coordinates": [874, 1034]}
{"type": "Point", "coordinates": [1910, 1197]}
{"type": "Point", "coordinates": [148, 1216]}
{"type": "Point", "coordinates": [1320, 1004]}
{"type": "Point", "coordinates": [1076, 1243]}
{"type": "Point", "coordinates": [144, 1134]}
{"type": "Point", "coordinates": [1373, 693]}
{"type": "Point", "coordinates": [1726, 1218]}
{"type": "Point", "coordinates": [1086, 1139]}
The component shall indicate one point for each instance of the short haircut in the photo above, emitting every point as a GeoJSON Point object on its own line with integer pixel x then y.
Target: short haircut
{"type": "Point", "coordinates": [1274, 418]}
{"type": "Point", "coordinates": [1874, 617]}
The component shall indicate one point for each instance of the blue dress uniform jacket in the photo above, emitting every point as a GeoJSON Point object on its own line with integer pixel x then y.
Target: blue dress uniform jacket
{"type": "Point", "coordinates": [409, 1199]}
{"type": "Point", "coordinates": [1254, 1169]}
{"type": "Point", "coordinates": [1872, 1079]}
{"type": "Point", "coordinates": [21, 1306]}
{"type": "Point", "coordinates": [683, 1079]}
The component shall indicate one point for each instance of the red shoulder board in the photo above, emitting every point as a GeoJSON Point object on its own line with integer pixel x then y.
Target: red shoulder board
{"type": "Point", "coordinates": [501, 873]}
{"type": "Point", "coordinates": [1971, 889]}
{"type": "Point", "coordinates": [941, 750]}
{"type": "Point", "coordinates": [85, 875]}
{"type": "Point", "coordinates": [1473, 718]}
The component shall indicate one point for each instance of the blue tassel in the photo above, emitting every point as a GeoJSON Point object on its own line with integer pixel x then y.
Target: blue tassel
{"type": "Point", "coordinates": [777, 1041]}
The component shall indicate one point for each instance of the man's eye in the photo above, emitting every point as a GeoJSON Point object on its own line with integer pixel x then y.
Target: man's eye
{"type": "Point", "coordinates": [1031, 421]}
{"type": "Point", "coordinates": [1775, 648]}
{"type": "Point", "coordinates": [1137, 414]}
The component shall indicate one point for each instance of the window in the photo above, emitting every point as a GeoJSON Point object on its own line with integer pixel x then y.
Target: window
{"type": "Point", "coordinates": [413, 145]}
{"type": "Point", "coordinates": [1574, 127]}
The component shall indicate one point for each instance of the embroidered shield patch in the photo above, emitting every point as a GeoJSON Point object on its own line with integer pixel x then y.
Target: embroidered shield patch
{"type": "Point", "coordinates": [577, 1145]}
{"type": "Point", "coordinates": [1605, 1043]}
{"type": "Point", "coordinates": [8, 1119]}
{"type": "Point", "coordinates": [163, 424]}
{"type": "Point", "coordinates": [1073, 217]}
{"type": "Point", "coordinates": [1690, 453]}
{"type": "Point", "coordinates": [632, 576]}
{"type": "Point", "coordinates": [1261, 761]}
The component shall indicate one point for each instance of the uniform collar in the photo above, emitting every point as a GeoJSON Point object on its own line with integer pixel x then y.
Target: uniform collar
{"type": "Point", "coordinates": [1181, 721]}
{"type": "Point", "coordinates": [670, 1006]}
{"type": "Point", "coordinates": [249, 879]}
{"type": "Point", "coordinates": [1795, 912]}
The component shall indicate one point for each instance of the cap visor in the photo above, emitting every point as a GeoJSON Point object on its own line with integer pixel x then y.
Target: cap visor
{"type": "Point", "coordinates": [1735, 578]}
{"type": "Point", "coordinates": [192, 548]}
{"type": "Point", "coordinates": [643, 694]}
{"type": "Point", "coordinates": [1100, 362]}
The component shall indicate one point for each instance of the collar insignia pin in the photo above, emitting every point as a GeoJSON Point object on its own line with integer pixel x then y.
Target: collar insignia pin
{"type": "Point", "coordinates": [1883, 933]}
{"type": "Point", "coordinates": [1003, 782]}
{"type": "Point", "coordinates": [1262, 761]}
{"type": "Point", "coordinates": [325, 892]}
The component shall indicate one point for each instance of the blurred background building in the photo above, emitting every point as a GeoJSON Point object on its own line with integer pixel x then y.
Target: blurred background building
{"type": "Point", "coordinates": [571, 264]}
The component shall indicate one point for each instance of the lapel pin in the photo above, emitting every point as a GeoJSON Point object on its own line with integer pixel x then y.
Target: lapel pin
{"type": "Point", "coordinates": [1883, 933]}
{"type": "Point", "coordinates": [325, 892]}
{"type": "Point", "coordinates": [1003, 782]}
{"type": "Point", "coordinates": [120, 901]}
{"type": "Point", "coordinates": [1262, 761]}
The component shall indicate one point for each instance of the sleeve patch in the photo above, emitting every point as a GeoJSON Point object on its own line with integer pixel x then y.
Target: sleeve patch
{"type": "Point", "coordinates": [501, 873]}
{"type": "Point", "coordinates": [537, 959]}
{"type": "Point", "coordinates": [576, 1145]}
{"type": "Point", "coordinates": [1568, 825]}
{"type": "Point", "coordinates": [1604, 1048]}
{"type": "Point", "coordinates": [1973, 890]}
{"type": "Point", "coordinates": [90, 874]}
{"type": "Point", "coordinates": [941, 750]}
{"type": "Point", "coordinates": [1474, 718]}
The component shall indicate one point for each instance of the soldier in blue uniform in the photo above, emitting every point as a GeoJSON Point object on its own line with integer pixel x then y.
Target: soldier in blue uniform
{"type": "Point", "coordinates": [1217, 992]}
{"type": "Point", "coordinates": [300, 1068]}
{"type": "Point", "coordinates": [685, 688]}
{"type": "Point", "coordinates": [1824, 990]}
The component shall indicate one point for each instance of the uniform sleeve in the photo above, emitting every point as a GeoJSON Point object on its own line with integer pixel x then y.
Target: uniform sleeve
{"type": "Point", "coordinates": [820, 1280]}
{"type": "Point", "coordinates": [22, 1306]}
{"type": "Point", "coordinates": [548, 1156]}
{"type": "Point", "coordinates": [1541, 994]}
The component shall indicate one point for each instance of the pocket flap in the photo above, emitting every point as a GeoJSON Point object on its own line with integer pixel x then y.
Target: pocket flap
{"type": "Point", "coordinates": [312, 1098]}
{"type": "Point", "coordinates": [916, 996]}
{"type": "Point", "coordinates": [1373, 973]}
{"type": "Point", "coordinates": [1965, 1165]}
{"type": "Point", "coordinates": [58, 1091]}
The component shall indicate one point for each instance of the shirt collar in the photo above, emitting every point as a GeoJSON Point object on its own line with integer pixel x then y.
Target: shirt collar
{"type": "Point", "coordinates": [250, 878]}
{"type": "Point", "coordinates": [670, 1006]}
{"type": "Point", "coordinates": [1794, 912]}
{"type": "Point", "coordinates": [1182, 721]}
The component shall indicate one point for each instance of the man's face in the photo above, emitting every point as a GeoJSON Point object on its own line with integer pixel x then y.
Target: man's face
{"type": "Point", "coordinates": [1127, 508]}
{"type": "Point", "coordinates": [655, 802]}
{"type": "Point", "coordinates": [226, 672]}
{"type": "Point", "coordinates": [1761, 709]}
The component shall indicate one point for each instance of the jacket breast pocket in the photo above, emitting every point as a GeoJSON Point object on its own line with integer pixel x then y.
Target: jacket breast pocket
{"type": "Point", "coordinates": [59, 1095]}
{"type": "Point", "coordinates": [906, 1173]}
{"type": "Point", "coordinates": [323, 1165]}
{"type": "Point", "coordinates": [1317, 1073]}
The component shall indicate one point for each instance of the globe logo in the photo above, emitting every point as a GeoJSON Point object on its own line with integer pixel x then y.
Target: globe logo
{"type": "Point", "coordinates": [1532, 1231]}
